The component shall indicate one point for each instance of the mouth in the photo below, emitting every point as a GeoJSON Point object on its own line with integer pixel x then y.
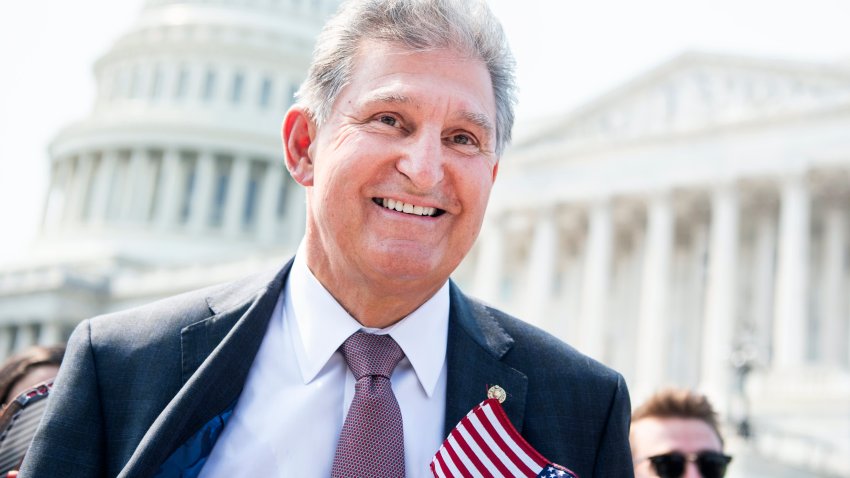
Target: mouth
{"type": "Point", "coordinates": [408, 208]}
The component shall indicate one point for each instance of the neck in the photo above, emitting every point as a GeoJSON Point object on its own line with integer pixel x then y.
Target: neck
{"type": "Point", "coordinates": [373, 303]}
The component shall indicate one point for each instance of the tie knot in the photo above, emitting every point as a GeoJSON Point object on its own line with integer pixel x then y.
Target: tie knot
{"type": "Point", "coordinates": [370, 354]}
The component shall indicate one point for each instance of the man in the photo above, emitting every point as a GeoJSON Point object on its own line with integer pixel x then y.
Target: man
{"type": "Point", "coordinates": [396, 136]}
{"type": "Point", "coordinates": [674, 434]}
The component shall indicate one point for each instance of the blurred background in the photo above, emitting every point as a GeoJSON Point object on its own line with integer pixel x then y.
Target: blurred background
{"type": "Point", "coordinates": [675, 202]}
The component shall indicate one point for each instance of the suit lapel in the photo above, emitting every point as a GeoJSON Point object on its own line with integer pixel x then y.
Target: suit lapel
{"type": "Point", "coordinates": [476, 345]}
{"type": "Point", "coordinates": [217, 354]}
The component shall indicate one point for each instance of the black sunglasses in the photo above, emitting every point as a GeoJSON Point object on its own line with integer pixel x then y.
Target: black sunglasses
{"type": "Point", "coordinates": [711, 464]}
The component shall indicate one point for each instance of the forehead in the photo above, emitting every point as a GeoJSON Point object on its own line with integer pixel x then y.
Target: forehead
{"type": "Point", "coordinates": [653, 436]}
{"type": "Point", "coordinates": [387, 72]}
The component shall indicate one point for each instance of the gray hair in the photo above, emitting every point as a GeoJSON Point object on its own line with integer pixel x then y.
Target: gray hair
{"type": "Point", "coordinates": [467, 26]}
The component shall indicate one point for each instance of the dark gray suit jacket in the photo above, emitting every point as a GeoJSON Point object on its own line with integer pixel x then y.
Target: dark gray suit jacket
{"type": "Point", "coordinates": [135, 385]}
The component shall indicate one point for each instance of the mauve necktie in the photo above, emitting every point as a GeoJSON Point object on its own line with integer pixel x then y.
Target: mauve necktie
{"type": "Point", "coordinates": [371, 443]}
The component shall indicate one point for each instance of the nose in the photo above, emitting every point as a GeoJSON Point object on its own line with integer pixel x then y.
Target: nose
{"type": "Point", "coordinates": [691, 471]}
{"type": "Point", "coordinates": [421, 160]}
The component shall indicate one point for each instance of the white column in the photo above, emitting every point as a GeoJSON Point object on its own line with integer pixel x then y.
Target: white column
{"type": "Point", "coordinates": [72, 188]}
{"type": "Point", "coordinates": [168, 202]}
{"type": "Point", "coordinates": [677, 325]}
{"type": "Point", "coordinates": [541, 268]}
{"type": "Point", "coordinates": [720, 306]}
{"type": "Point", "coordinates": [596, 287]}
{"type": "Point", "coordinates": [202, 196]}
{"type": "Point", "coordinates": [834, 300]}
{"type": "Point", "coordinates": [268, 221]}
{"type": "Point", "coordinates": [68, 167]}
{"type": "Point", "coordinates": [68, 180]}
{"type": "Point", "coordinates": [6, 338]}
{"type": "Point", "coordinates": [696, 309]}
{"type": "Point", "coordinates": [102, 188]}
{"type": "Point", "coordinates": [133, 182]}
{"type": "Point", "coordinates": [630, 308]}
{"type": "Point", "coordinates": [237, 187]}
{"type": "Point", "coordinates": [79, 188]}
{"type": "Point", "coordinates": [26, 337]}
{"type": "Point", "coordinates": [653, 320]}
{"type": "Point", "coordinates": [57, 195]}
{"type": "Point", "coordinates": [145, 186]}
{"type": "Point", "coordinates": [792, 276]}
{"type": "Point", "coordinates": [764, 282]}
{"type": "Point", "coordinates": [490, 261]}
{"type": "Point", "coordinates": [569, 327]}
{"type": "Point", "coordinates": [51, 334]}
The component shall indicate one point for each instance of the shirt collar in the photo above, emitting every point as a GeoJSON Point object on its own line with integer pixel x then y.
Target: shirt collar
{"type": "Point", "coordinates": [321, 325]}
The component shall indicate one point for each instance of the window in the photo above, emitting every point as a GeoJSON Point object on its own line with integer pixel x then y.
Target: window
{"type": "Point", "coordinates": [265, 93]}
{"type": "Point", "coordinates": [224, 166]}
{"type": "Point", "coordinates": [249, 214]}
{"type": "Point", "coordinates": [135, 83]}
{"type": "Point", "coordinates": [289, 96]}
{"type": "Point", "coordinates": [182, 83]}
{"type": "Point", "coordinates": [280, 210]}
{"type": "Point", "coordinates": [188, 164]}
{"type": "Point", "coordinates": [156, 83]}
{"type": "Point", "coordinates": [155, 186]}
{"type": "Point", "coordinates": [209, 85]}
{"type": "Point", "coordinates": [236, 91]}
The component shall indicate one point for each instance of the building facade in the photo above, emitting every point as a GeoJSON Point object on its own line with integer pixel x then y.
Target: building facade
{"type": "Point", "coordinates": [691, 229]}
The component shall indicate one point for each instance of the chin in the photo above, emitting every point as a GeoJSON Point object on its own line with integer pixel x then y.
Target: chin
{"type": "Point", "coordinates": [402, 266]}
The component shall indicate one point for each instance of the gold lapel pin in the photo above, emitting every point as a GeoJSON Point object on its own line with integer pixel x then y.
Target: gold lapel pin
{"type": "Point", "coordinates": [498, 393]}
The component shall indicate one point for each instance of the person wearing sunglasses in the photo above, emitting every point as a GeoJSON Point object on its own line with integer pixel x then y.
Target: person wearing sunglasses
{"type": "Point", "coordinates": [674, 434]}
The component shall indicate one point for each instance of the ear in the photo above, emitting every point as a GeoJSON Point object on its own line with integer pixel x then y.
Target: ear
{"type": "Point", "coordinates": [298, 133]}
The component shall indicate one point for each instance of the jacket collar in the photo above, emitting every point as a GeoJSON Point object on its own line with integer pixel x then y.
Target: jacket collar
{"type": "Point", "coordinates": [477, 344]}
{"type": "Point", "coordinates": [217, 354]}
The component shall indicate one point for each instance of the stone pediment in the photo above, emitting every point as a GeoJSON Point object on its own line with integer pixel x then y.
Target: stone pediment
{"type": "Point", "coordinates": [698, 91]}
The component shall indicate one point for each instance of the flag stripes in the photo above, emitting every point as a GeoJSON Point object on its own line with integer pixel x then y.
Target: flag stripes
{"type": "Point", "coordinates": [486, 444]}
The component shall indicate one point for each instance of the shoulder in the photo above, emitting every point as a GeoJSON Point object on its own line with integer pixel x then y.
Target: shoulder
{"type": "Point", "coordinates": [161, 321]}
{"type": "Point", "coordinates": [546, 358]}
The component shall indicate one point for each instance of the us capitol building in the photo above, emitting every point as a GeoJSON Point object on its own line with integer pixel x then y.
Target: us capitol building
{"type": "Point", "coordinates": [688, 228]}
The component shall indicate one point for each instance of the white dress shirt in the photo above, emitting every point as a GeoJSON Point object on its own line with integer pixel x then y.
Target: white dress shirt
{"type": "Point", "coordinates": [289, 415]}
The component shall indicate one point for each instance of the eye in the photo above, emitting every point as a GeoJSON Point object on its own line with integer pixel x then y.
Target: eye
{"type": "Point", "coordinates": [388, 120]}
{"type": "Point", "coordinates": [461, 139]}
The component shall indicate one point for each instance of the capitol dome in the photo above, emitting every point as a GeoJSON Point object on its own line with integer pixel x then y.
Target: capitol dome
{"type": "Point", "coordinates": [183, 147]}
{"type": "Point", "coordinates": [176, 179]}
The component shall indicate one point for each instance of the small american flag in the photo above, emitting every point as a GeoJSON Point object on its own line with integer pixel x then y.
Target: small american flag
{"type": "Point", "coordinates": [486, 444]}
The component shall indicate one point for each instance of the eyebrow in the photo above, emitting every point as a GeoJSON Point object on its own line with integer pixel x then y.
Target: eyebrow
{"type": "Point", "coordinates": [388, 98]}
{"type": "Point", "coordinates": [478, 119]}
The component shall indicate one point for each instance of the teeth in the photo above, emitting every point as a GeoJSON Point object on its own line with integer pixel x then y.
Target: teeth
{"type": "Point", "coordinates": [408, 208]}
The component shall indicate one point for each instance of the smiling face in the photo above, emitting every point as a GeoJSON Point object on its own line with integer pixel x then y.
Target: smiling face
{"type": "Point", "coordinates": [399, 175]}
